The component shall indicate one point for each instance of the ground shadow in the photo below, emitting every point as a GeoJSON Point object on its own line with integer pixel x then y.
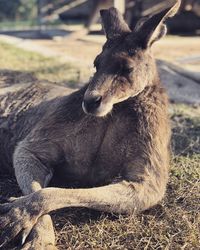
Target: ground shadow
{"type": "Point", "coordinates": [12, 77]}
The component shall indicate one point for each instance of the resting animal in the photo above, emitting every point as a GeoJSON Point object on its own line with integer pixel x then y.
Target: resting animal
{"type": "Point", "coordinates": [107, 142]}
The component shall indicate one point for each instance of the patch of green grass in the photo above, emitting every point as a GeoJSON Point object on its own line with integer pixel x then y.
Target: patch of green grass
{"type": "Point", "coordinates": [41, 67]}
{"type": "Point", "coordinates": [18, 24]}
{"type": "Point", "coordinates": [32, 23]}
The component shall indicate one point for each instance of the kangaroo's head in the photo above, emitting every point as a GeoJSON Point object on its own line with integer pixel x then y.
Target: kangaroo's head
{"type": "Point", "coordinates": [125, 66]}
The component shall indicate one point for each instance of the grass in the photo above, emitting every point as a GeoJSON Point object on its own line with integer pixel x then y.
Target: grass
{"type": "Point", "coordinates": [40, 67]}
{"type": "Point", "coordinates": [22, 24]}
{"type": "Point", "coordinates": [18, 24]}
{"type": "Point", "coordinates": [172, 224]}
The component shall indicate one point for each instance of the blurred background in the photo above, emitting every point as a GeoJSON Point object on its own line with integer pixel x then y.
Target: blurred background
{"type": "Point", "coordinates": [43, 14]}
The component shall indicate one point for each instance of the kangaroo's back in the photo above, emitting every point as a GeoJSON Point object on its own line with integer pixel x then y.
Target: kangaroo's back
{"type": "Point", "coordinates": [22, 105]}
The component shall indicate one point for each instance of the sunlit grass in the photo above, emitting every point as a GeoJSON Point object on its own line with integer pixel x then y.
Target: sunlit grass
{"type": "Point", "coordinates": [12, 58]}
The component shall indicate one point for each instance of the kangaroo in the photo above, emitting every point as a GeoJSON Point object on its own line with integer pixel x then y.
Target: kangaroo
{"type": "Point", "coordinates": [108, 143]}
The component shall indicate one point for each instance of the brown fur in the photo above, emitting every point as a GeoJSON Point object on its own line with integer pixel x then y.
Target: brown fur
{"type": "Point", "coordinates": [115, 153]}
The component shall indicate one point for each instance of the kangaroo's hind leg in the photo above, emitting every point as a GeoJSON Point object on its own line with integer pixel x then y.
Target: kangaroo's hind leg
{"type": "Point", "coordinates": [32, 176]}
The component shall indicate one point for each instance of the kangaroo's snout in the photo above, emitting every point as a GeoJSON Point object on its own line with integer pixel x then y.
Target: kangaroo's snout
{"type": "Point", "coordinates": [91, 104]}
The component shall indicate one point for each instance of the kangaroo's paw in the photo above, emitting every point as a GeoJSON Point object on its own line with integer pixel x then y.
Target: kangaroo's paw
{"type": "Point", "coordinates": [18, 217]}
{"type": "Point", "coordinates": [42, 236]}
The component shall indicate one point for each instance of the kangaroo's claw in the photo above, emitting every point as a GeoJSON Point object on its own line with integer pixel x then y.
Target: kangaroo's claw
{"type": "Point", "coordinates": [18, 216]}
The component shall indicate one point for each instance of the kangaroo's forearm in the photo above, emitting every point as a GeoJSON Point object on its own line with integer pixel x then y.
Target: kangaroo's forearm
{"type": "Point", "coordinates": [123, 197]}
{"type": "Point", "coordinates": [112, 198]}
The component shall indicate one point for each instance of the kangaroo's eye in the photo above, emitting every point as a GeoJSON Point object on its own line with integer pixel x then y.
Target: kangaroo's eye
{"type": "Point", "coordinates": [127, 70]}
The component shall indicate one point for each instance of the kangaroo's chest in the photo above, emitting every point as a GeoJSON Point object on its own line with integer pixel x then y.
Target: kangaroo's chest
{"type": "Point", "coordinates": [94, 157]}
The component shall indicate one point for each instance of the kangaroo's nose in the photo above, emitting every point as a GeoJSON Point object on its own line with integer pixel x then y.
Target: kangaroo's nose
{"type": "Point", "coordinates": [90, 104]}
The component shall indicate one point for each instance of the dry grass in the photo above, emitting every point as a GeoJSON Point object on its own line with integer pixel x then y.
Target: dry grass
{"type": "Point", "coordinates": [172, 224]}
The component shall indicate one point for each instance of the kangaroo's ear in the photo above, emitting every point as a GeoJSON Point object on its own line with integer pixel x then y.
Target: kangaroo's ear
{"type": "Point", "coordinates": [152, 29]}
{"type": "Point", "coordinates": [113, 23]}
